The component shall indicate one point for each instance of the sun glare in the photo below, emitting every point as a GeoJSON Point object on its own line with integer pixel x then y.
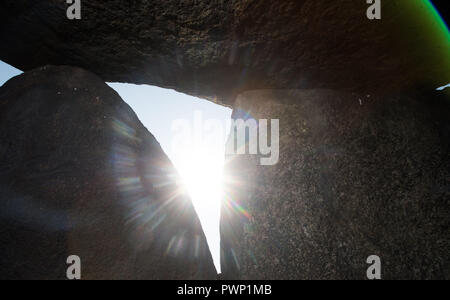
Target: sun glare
{"type": "Point", "coordinates": [201, 170]}
{"type": "Point", "coordinates": [193, 133]}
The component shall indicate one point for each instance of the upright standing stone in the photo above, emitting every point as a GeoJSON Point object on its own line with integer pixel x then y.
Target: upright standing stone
{"type": "Point", "coordinates": [80, 175]}
{"type": "Point", "coordinates": [358, 175]}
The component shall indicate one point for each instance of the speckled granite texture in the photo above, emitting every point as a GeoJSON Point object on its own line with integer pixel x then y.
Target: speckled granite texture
{"type": "Point", "coordinates": [217, 49]}
{"type": "Point", "coordinates": [358, 175]}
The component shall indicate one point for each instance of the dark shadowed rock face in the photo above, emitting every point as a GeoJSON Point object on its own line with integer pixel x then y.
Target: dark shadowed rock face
{"type": "Point", "coordinates": [358, 175]}
{"type": "Point", "coordinates": [80, 175]}
{"type": "Point", "coordinates": [217, 49]}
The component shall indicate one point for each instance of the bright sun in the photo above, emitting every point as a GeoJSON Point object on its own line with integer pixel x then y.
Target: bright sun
{"type": "Point", "coordinates": [202, 171]}
{"type": "Point", "coordinates": [192, 132]}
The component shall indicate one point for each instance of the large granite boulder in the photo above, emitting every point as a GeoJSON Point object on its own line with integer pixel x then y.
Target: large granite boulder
{"type": "Point", "coordinates": [80, 175]}
{"type": "Point", "coordinates": [217, 49]}
{"type": "Point", "coordinates": [358, 175]}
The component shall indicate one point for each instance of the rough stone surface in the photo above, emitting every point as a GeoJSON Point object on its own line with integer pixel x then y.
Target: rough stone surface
{"type": "Point", "coordinates": [80, 175]}
{"type": "Point", "coordinates": [217, 49]}
{"type": "Point", "coordinates": [358, 175]}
